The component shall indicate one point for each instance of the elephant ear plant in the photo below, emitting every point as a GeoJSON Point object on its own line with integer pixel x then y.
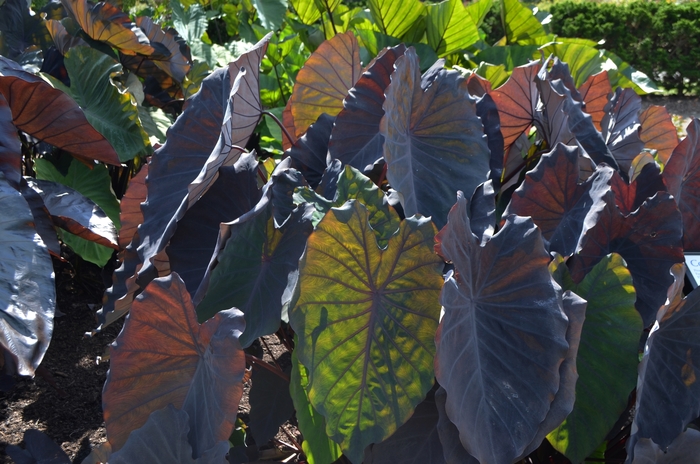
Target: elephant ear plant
{"type": "Point", "coordinates": [461, 272]}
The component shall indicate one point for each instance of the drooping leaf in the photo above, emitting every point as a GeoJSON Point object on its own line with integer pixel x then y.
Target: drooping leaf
{"type": "Point", "coordinates": [163, 356]}
{"type": "Point", "coordinates": [682, 177]}
{"type": "Point", "coordinates": [684, 449]}
{"type": "Point", "coordinates": [416, 441]}
{"type": "Point", "coordinates": [649, 240]}
{"type": "Point", "coordinates": [10, 146]}
{"type": "Point", "coordinates": [668, 391]}
{"type": "Point", "coordinates": [234, 193]}
{"type": "Point", "coordinates": [349, 315]}
{"type": "Point", "coordinates": [478, 10]}
{"type": "Point", "coordinates": [487, 111]}
{"type": "Point", "coordinates": [271, 13]}
{"type": "Point", "coordinates": [43, 223]}
{"type": "Point", "coordinates": [93, 183]}
{"type": "Point", "coordinates": [76, 213]}
{"type": "Point", "coordinates": [594, 93]}
{"type": "Point", "coordinates": [658, 132]}
{"type": "Point", "coordinates": [253, 266]}
{"type": "Point", "coordinates": [130, 215]}
{"type": "Point", "coordinates": [395, 18]}
{"type": "Point", "coordinates": [450, 27]}
{"type": "Point", "coordinates": [434, 141]}
{"type": "Point", "coordinates": [621, 127]}
{"type": "Point", "coordinates": [270, 404]}
{"type": "Point", "coordinates": [163, 439]}
{"type": "Point", "coordinates": [555, 200]}
{"type": "Point", "coordinates": [28, 300]}
{"type": "Point", "coordinates": [519, 22]}
{"type": "Point", "coordinates": [498, 320]}
{"type": "Point", "coordinates": [50, 115]}
{"type": "Point", "coordinates": [607, 358]}
{"type": "Point", "coordinates": [317, 446]}
{"type": "Point", "coordinates": [324, 81]}
{"type": "Point", "coordinates": [356, 139]}
{"type": "Point", "coordinates": [20, 30]}
{"type": "Point", "coordinates": [39, 449]}
{"type": "Point", "coordinates": [624, 75]}
{"type": "Point", "coordinates": [63, 40]}
{"type": "Point", "coordinates": [105, 22]}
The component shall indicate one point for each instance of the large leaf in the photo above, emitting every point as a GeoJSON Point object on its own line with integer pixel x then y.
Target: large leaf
{"type": "Point", "coordinates": [271, 13]}
{"type": "Point", "coordinates": [10, 146]}
{"type": "Point", "coordinates": [130, 215]}
{"type": "Point", "coordinates": [658, 132]}
{"type": "Point", "coordinates": [647, 182]}
{"type": "Point", "coordinates": [395, 18]}
{"type": "Point", "coordinates": [555, 200]}
{"type": "Point", "coordinates": [594, 93]}
{"type": "Point", "coordinates": [40, 449]}
{"type": "Point", "coordinates": [452, 447]}
{"type": "Point", "coordinates": [434, 141]}
{"type": "Point", "coordinates": [107, 23]}
{"type": "Point", "coordinates": [450, 27]}
{"type": "Point", "coordinates": [323, 82]}
{"type": "Point", "coordinates": [519, 22]}
{"type": "Point", "coordinates": [684, 449]}
{"type": "Point", "coordinates": [607, 357]}
{"type": "Point", "coordinates": [668, 393]}
{"type": "Point", "coordinates": [163, 356]}
{"type": "Point", "coordinates": [163, 440]}
{"type": "Point", "coordinates": [502, 339]}
{"type": "Point", "coordinates": [309, 154]}
{"type": "Point", "coordinates": [649, 240]}
{"type": "Point", "coordinates": [28, 299]}
{"type": "Point", "coordinates": [478, 10]}
{"type": "Point", "coordinates": [365, 319]}
{"type": "Point", "coordinates": [76, 213]}
{"type": "Point", "coordinates": [309, 11]}
{"type": "Point", "coordinates": [682, 177]}
{"type": "Point", "coordinates": [355, 139]}
{"type": "Point", "coordinates": [50, 115]}
{"type": "Point", "coordinates": [109, 111]}
{"type": "Point", "coordinates": [621, 127]}
{"type": "Point", "coordinates": [253, 266]}
{"type": "Point", "coordinates": [96, 185]}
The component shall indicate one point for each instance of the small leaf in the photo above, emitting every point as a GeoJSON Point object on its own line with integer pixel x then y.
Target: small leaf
{"type": "Point", "coordinates": [351, 314]}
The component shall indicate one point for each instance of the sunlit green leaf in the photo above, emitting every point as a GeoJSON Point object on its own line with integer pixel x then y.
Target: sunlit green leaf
{"type": "Point", "coordinates": [450, 27]}
{"type": "Point", "coordinates": [271, 12]}
{"type": "Point", "coordinates": [520, 23]}
{"type": "Point", "coordinates": [395, 18]}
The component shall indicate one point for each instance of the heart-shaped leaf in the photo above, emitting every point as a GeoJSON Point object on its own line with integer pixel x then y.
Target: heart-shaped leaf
{"type": "Point", "coordinates": [595, 92]}
{"type": "Point", "coordinates": [434, 141]}
{"type": "Point", "coordinates": [395, 18]}
{"type": "Point", "coordinates": [519, 22]}
{"type": "Point", "coordinates": [629, 197]}
{"type": "Point", "coordinates": [163, 356]}
{"type": "Point", "coordinates": [607, 357]}
{"type": "Point", "coordinates": [450, 28]}
{"type": "Point", "coordinates": [502, 339]}
{"type": "Point", "coordinates": [28, 300]}
{"type": "Point", "coordinates": [324, 81]}
{"type": "Point", "coordinates": [621, 127]}
{"type": "Point", "coordinates": [658, 132]}
{"type": "Point", "coordinates": [354, 305]}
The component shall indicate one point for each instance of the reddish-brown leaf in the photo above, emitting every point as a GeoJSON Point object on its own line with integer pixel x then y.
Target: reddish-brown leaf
{"type": "Point", "coordinates": [595, 93]}
{"type": "Point", "coordinates": [658, 132]}
{"type": "Point", "coordinates": [131, 215]}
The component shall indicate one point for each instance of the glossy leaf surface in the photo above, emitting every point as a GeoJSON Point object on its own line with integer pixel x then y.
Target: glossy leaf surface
{"type": "Point", "coordinates": [620, 127]}
{"type": "Point", "coordinates": [163, 356]}
{"type": "Point", "coordinates": [607, 357]}
{"type": "Point", "coordinates": [28, 300]}
{"type": "Point", "coordinates": [50, 115]}
{"type": "Point", "coordinates": [434, 141]}
{"type": "Point", "coordinates": [324, 81]}
{"type": "Point", "coordinates": [503, 336]}
{"type": "Point", "coordinates": [10, 146]}
{"type": "Point", "coordinates": [365, 324]}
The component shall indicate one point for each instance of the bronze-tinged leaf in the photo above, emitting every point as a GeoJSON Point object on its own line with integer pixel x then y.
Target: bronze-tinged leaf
{"type": "Point", "coordinates": [517, 103]}
{"type": "Point", "coordinates": [163, 356]}
{"type": "Point", "coordinates": [107, 23]}
{"type": "Point", "coordinates": [658, 132]}
{"type": "Point", "coordinates": [62, 39]}
{"type": "Point", "coordinates": [288, 123]}
{"type": "Point", "coordinates": [324, 81]}
{"type": "Point", "coordinates": [478, 86]}
{"type": "Point", "coordinates": [355, 139]}
{"type": "Point", "coordinates": [51, 116]}
{"type": "Point", "coordinates": [10, 146]}
{"type": "Point", "coordinates": [177, 63]}
{"type": "Point", "coordinates": [595, 92]}
{"type": "Point", "coordinates": [131, 215]}
{"type": "Point", "coordinates": [649, 240]}
{"type": "Point", "coordinates": [629, 197]}
{"type": "Point", "coordinates": [682, 177]}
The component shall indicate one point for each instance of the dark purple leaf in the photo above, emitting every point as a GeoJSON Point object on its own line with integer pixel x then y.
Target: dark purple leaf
{"type": "Point", "coordinates": [39, 449]}
{"type": "Point", "coordinates": [270, 403]}
{"type": "Point", "coordinates": [10, 146]}
{"type": "Point", "coordinates": [629, 197]}
{"type": "Point", "coordinates": [42, 219]}
{"type": "Point", "coordinates": [452, 447]}
{"type": "Point", "coordinates": [621, 127]}
{"type": "Point", "coordinates": [309, 153]}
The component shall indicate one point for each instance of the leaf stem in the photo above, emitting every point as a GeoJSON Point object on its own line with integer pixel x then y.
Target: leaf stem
{"type": "Point", "coordinates": [279, 123]}
{"type": "Point", "coordinates": [330, 17]}
{"type": "Point", "coordinates": [279, 83]}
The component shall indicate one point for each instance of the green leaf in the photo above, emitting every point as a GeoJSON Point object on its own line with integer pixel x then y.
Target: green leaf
{"type": "Point", "coordinates": [583, 60]}
{"type": "Point", "coordinates": [366, 320]}
{"type": "Point", "coordinates": [607, 356]}
{"type": "Point", "coordinates": [271, 13]}
{"type": "Point", "coordinates": [93, 183]}
{"type": "Point", "coordinates": [621, 74]}
{"type": "Point", "coordinates": [495, 74]}
{"type": "Point", "coordinates": [520, 23]}
{"type": "Point", "coordinates": [450, 27]}
{"type": "Point", "coordinates": [107, 109]}
{"type": "Point", "coordinates": [309, 11]}
{"type": "Point", "coordinates": [478, 9]}
{"type": "Point", "coordinates": [510, 56]}
{"type": "Point", "coordinates": [319, 449]}
{"type": "Point", "coordinates": [395, 18]}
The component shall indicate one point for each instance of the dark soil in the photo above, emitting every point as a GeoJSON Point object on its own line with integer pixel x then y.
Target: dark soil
{"type": "Point", "coordinates": [64, 401]}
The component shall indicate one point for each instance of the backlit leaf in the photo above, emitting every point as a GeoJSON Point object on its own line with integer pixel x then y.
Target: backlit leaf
{"type": "Point", "coordinates": [503, 336]}
{"type": "Point", "coordinates": [28, 299]}
{"type": "Point", "coordinates": [324, 81]}
{"type": "Point", "coordinates": [478, 10]}
{"type": "Point", "coordinates": [450, 27]}
{"type": "Point", "coordinates": [658, 132]}
{"type": "Point", "coordinates": [309, 11]}
{"type": "Point", "coordinates": [395, 18]}
{"type": "Point", "coordinates": [519, 22]}
{"type": "Point", "coordinates": [271, 13]}
{"type": "Point", "coordinates": [51, 116]}
{"type": "Point", "coordinates": [607, 357]}
{"type": "Point", "coordinates": [434, 141]}
{"type": "Point", "coordinates": [365, 319]}
{"type": "Point", "coordinates": [595, 93]}
{"type": "Point", "coordinates": [163, 356]}
{"type": "Point", "coordinates": [130, 214]}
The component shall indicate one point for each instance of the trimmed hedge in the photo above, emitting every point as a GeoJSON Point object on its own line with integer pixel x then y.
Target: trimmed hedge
{"type": "Point", "coordinates": [660, 39]}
